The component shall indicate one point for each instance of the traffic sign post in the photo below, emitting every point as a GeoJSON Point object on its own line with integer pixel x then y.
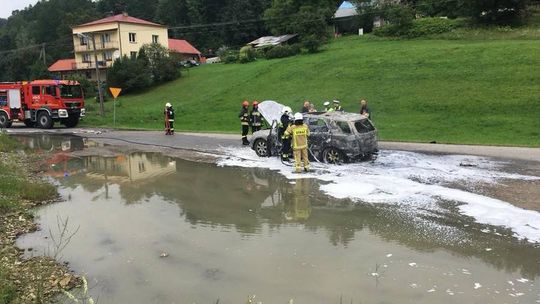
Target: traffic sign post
{"type": "Point", "coordinates": [115, 92]}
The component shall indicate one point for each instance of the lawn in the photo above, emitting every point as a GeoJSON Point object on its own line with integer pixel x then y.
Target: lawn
{"type": "Point", "coordinates": [449, 91]}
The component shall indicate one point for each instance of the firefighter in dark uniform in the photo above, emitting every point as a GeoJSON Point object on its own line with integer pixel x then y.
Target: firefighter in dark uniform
{"type": "Point", "coordinates": [256, 117]}
{"type": "Point", "coordinates": [244, 121]}
{"type": "Point", "coordinates": [284, 123]}
{"type": "Point", "coordinates": [169, 119]}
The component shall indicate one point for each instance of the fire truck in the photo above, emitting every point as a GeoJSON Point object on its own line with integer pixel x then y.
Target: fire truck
{"type": "Point", "coordinates": [41, 103]}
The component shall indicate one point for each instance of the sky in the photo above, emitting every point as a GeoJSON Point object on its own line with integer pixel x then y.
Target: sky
{"type": "Point", "coordinates": [7, 6]}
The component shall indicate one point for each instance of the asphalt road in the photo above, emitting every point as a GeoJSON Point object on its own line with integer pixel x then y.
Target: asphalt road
{"type": "Point", "coordinates": [212, 143]}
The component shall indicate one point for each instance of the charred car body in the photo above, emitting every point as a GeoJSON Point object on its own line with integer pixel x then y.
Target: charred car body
{"type": "Point", "coordinates": [335, 137]}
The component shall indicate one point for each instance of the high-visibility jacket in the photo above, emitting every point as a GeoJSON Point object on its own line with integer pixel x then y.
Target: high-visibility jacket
{"type": "Point", "coordinates": [299, 135]}
{"type": "Point", "coordinates": [244, 117]}
{"type": "Point", "coordinates": [256, 118]}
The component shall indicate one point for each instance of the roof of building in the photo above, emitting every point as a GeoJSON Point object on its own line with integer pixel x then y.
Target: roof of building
{"type": "Point", "coordinates": [345, 12]}
{"type": "Point", "coordinates": [62, 65]}
{"type": "Point", "coordinates": [123, 18]}
{"type": "Point", "coordinates": [271, 40]}
{"type": "Point", "coordinates": [182, 46]}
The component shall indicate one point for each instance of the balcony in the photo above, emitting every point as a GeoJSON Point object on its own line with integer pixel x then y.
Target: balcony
{"type": "Point", "coordinates": [100, 45]}
{"type": "Point", "coordinates": [91, 65]}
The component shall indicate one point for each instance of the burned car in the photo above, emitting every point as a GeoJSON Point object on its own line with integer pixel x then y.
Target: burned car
{"type": "Point", "coordinates": [335, 137]}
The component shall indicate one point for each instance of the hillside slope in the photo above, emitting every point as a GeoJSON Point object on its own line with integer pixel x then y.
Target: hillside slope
{"type": "Point", "coordinates": [452, 91]}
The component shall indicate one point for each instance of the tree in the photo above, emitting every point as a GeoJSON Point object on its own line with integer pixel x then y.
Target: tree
{"type": "Point", "coordinates": [503, 12]}
{"type": "Point", "coordinates": [130, 74]}
{"type": "Point", "coordinates": [309, 20]}
{"type": "Point", "coordinates": [161, 65]}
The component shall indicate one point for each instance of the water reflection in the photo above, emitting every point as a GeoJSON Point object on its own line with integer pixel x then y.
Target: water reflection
{"type": "Point", "coordinates": [247, 200]}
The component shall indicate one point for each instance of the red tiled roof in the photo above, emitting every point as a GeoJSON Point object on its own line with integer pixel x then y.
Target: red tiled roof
{"type": "Point", "coordinates": [182, 46]}
{"type": "Point", "coordinates": [63, 65]}
{"type": "Point", "coordinates": [120, 18]}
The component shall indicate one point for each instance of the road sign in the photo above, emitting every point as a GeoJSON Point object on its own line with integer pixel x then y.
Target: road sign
{"type": "Point", "coordinates": [115, 91]}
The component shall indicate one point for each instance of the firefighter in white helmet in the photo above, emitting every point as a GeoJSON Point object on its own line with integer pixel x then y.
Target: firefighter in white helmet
{"type": "Point", "coordinates": [169, 119]}
{"type": "Point", "coordinates": [299, 133]}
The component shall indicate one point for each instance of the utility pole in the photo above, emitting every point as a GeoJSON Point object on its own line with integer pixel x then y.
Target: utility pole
{"type": "Point", "coordinates": [100, 94]}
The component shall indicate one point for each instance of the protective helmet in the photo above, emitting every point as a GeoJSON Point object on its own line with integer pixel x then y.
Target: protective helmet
{"type": "Point", "coordinates": [336, 101]}
{"type": "Point", "coordinates": [287, 110]}
{"type": "Point", "coordinates": [245, 103]}
{"type": "Point", "coordinates": [255, 103]}
{"type": "Point", "coordinates": [298, 116]}
{"type": "Point", "coordinates": [168, 105]}
{"type": "Point", "coordinates": [326, 103]}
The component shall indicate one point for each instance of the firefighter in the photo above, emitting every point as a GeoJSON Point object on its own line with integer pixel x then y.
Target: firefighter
{"type": "Point", "coordinates": [255, 117]}
{"type": "Point", "coordinates": [244, 121]}
{"type": "Point", "coordinates": [169, 119]}
{"type": "Point", "coordinates": [364, 110]}
{"type": "Point", "coordinates": [284, 123]}
{"type": "Point", "coordinates": [299, 132]}
{"type": "Point", "coordinates": [327, 107]}
{"type": "Point", "coordinates": [337, 106]}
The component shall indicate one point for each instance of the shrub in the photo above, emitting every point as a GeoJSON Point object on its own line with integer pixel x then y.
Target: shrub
{"type": "Point", "coordinates": [282, 51]}
{"type": "Point", "coordinates": [247, 54]}
{"type": "Point", "coordinates": [311, 44]}
{"type": "Point", "coordinates": [419, 28]}
{"type": "Point", "coordinates": [230, 57]}
{"type": "Point", "coordinates": [431, 26]}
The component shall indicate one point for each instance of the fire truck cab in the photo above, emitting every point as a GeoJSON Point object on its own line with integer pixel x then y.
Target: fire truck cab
{"type": "Point", "coordinates": [41, 103]}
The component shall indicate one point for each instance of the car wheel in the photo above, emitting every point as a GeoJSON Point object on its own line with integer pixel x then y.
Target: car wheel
{"type": "Point", "coordinates": [45, 121]}
{"type": "Point", "coordinates": [4, 120]}
{"type": "Point", "coordinates": [261, 147]}
{"type": "Point", "coordinates": [332, 155]}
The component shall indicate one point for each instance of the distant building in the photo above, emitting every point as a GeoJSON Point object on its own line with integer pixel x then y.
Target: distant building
{"type": "Point", "coordinates": [115, 37]}
{"type": "Point", "coordinates": [273, 40]}
{"type": "Point", "coordinates": [185, 50]}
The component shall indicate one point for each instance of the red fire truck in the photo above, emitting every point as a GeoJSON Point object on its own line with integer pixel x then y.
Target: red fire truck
{"type": "Point", "coordinates": [41, 103]}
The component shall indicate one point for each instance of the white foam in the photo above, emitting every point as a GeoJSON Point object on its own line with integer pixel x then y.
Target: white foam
{"type": "Point", "coordinates": [417, 181]}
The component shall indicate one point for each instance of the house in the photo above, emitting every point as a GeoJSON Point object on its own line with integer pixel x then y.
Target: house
{"type": "Point", "coordinates": [185, 50]}
{"type": "Point", "coordinates": [346, 19]}
{"type": "Point", "coordinates": [114, 37]}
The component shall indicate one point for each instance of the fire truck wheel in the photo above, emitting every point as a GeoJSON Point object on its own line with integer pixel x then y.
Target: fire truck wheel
{"type": "Point", "coordinates": [4, 120]}
{"type": "Point", "coordinates": [45, 121]}
{"type": "Point", "coordinates": [71, 122]}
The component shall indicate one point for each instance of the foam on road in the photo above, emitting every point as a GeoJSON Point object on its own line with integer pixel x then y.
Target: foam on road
{"type": "Point", "coordinates": [416, 182]}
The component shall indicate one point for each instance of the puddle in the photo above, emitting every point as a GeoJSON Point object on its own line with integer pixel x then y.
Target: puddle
{"type": "Point", "coordinates": [156, 229]}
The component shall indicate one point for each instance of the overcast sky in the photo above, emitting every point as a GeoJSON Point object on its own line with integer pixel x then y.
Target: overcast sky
{"type": "Point", "coordinates": [7, 6]}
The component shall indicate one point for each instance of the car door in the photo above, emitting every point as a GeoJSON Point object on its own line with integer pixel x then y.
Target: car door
{"type": "Point", "coordinates": [319, 134]}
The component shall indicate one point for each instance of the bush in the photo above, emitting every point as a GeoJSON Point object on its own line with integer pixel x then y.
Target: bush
{"type": "Point", "coordinates": [247, 54]}
{"type": "Point", "coordinates": [230, 57]}
{"type": "Point", "coordinates": [311, 44]}
{"type": "Point", "coordinates": [420, 27]}
{"type": "Point", "coordinates": [282, 51]}
{"type": "Point", "coordinates": [431, 26]}
{"type": "Point", "coordinates": [130, 74]}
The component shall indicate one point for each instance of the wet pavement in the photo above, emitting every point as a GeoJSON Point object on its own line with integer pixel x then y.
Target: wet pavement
{"type": "Point", "coordinates": [159, 229]}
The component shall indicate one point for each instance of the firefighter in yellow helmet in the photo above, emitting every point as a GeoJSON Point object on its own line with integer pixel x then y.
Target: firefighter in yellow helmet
{"type": "Point", "coordinates": [299, 132]}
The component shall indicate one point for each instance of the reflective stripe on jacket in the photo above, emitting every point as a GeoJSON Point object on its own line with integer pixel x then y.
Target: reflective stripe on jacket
{"type": "Point", "coordinates": [244, 117]}
{"type": "Point", "coordinates": [300, 135]}
{"type": "Point", "coordinates": [256, 118]}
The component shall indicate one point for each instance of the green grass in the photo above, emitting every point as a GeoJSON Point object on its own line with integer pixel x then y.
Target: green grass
{"type": "Point", "coordinates": [469, 91]}
{"type": "Point", "coordinates": [8, 144]}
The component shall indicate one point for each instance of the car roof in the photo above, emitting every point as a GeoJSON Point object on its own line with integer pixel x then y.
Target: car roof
{"type": "Point", "coordinates": [343, 116]}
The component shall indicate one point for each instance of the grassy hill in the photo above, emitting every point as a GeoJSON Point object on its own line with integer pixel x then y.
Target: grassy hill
{"type": "Point", "coordinates": [452, 91]}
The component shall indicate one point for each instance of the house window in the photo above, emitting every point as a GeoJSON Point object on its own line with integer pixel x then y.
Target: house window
{"type": "Point", "coordinates": [133, 55]}
{"type": "Point", "coordinates": [155, 39]}
{"type": "Point", "coordinates": [132, 37]}
{"type": "Point", "coordinates": [84, 41]}
{"type": "Point", "coordinates": [86, 58]}
{"type": "Point", "coordinates": [107, 56]}
{"type": "Point", "coordinates": [106, 38]}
